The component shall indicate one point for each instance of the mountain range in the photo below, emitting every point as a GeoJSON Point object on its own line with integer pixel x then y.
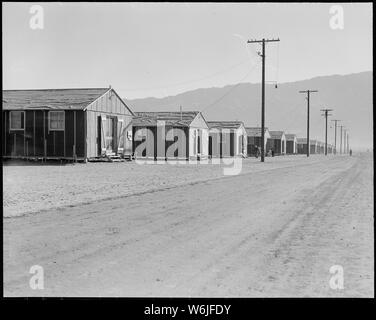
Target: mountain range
{"type": "Point", "coordinates": [350, 96]}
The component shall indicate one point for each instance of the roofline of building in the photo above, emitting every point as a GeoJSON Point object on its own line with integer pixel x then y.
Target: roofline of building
{"type": "Point", "coordinates": [113, 90]}
{"type": "Point", "coordinates": [140, 114]}
{"type": "Point", "coordinates": [83, 108]}
{"type": "Point", "coordinates": [156, 125]}
{"type": "Point", "coordinates": [186, 111]}
{"type": "Point", "coordinates": [202, 116]}
{"type": "Point", "coordinates": [256, 127]}
{"type": "Point", "coordinates": [56, 89]}
{"type": "Point", "coordinates": [42, 109]}
{"type": "Point", "coordinates": [239, 123]}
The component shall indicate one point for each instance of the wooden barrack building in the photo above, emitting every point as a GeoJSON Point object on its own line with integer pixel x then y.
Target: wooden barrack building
{"type": "Point", "coordinates": [227, 139]}
{"type": "Point", "coordinates": [72, 124]}
{"type": "Point", "coordinates": [170, 135]}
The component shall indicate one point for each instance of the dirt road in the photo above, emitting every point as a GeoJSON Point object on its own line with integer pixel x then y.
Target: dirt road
{"type": "Point", "coordinates": [268, 233]}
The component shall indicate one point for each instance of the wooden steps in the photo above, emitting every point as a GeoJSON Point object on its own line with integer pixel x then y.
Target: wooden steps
{"type": "Point", "coordinates": [110, 157]}
{"type": "Point", "coordinates": [114, 158]}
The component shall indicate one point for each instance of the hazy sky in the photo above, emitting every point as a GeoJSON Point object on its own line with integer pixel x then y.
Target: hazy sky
{"type": "Point", "coordinates": [161, 49]}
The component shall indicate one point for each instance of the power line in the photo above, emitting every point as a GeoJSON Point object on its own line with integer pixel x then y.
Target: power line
{"type": "Point", "coordinates": [292, 109]}
{"type": "Point", "coordinates": [335, 134]}
{"type": "Point", "coordinates": [229, 91]}
{"type": "Point", "coordinates": [308, 92]}
{"type": "Point", "coordinates": [340, 146]}
{"type": "Point", "coordinates": [188, 81]}
{"type": "Point", "coordinates": [348, 145]}
{"type": "Point", "coordinates": [326, 114]}
{"type": "Point", "coordinates": [263, 41]}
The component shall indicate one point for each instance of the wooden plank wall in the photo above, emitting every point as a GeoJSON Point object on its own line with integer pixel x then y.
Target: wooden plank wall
{"type": "Point", "coordinates": [176, 143]}
{"type": "Point", "coordinates": [107, 105]}
{"type": "Point", "coordinates": [215, 143]}
{"type": "Point", "coordinates": [144, 146]}
{"type": "Point", "coordinates": [301, 148]}
{"type": "Point", "coordinates": [289, 147]}
{"type": "Point", "coordinates": [37, 141]}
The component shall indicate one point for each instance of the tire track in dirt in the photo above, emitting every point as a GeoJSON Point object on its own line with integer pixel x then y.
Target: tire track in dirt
{"type": "Point", "coordinates": [153, 190]}
{"type": "Point", "coordinates": [191, 246]}
{"type": "Point", "coordinates": [286, 275]}
{"type": "Point", "coordinates": [241, 250]}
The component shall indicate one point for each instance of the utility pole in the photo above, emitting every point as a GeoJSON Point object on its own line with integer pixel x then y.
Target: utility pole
{"type": "Point", "coordinates": [340, 146]}
{"type": "Point", "coordinates": [326, 114]}
{"type": "Point", "coordinates": [308, 92]}
{"type": "Point", "coordinates": [263, 41]}
{"type": "Point", "coordinates": [344, 140]}
{"type": "Point", "coordinates": [335, 135]}
{"type": "Point", "coordinates": [348, 145]}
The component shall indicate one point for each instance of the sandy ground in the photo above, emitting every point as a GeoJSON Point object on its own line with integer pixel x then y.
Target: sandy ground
{"type": "Point", "coordinates": [34, 188]}
{"type": "Point", "coordinates": [161, 230]}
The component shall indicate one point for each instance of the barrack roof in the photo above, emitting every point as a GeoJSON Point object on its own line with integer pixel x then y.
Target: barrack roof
{"type": "Point", "coordinates": [172, 118]}
{"type": "Point", "coordinates": [51, 99]}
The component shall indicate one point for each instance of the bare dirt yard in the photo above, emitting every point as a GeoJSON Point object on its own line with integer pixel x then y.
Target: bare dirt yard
{"type": "Point", "coordinates": [123, 229]}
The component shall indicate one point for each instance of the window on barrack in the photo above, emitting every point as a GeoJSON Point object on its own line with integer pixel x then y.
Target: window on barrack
{"type": "Point", "coordinates": [17, 120]}
{"type": "Point", "coordinates": [56, 120]}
